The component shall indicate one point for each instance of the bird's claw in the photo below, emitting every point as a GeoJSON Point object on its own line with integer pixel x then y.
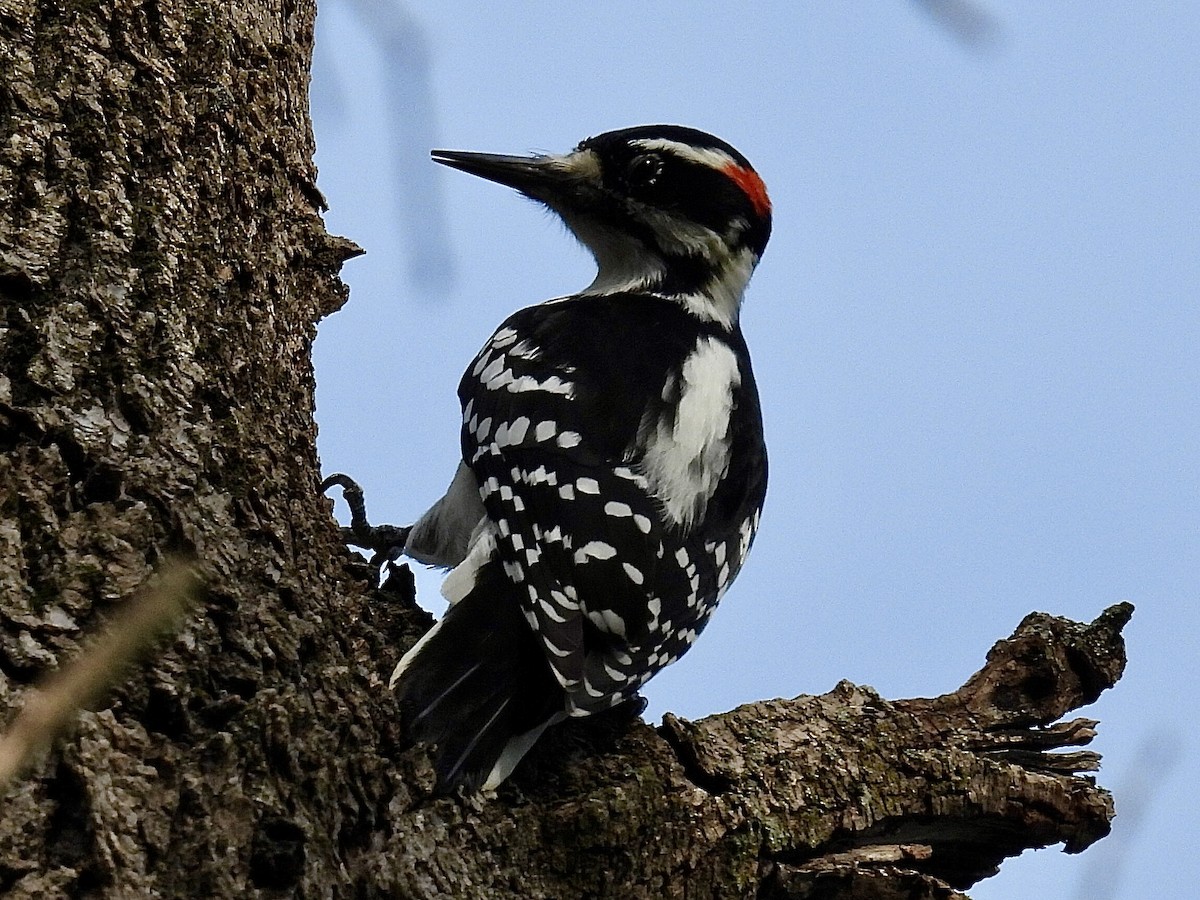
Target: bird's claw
{"type": "Point", "coordinates": [385, 541]}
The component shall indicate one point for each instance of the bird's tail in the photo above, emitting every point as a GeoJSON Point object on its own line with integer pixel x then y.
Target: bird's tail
{"type": "Point", "coordinates": [478, 686]}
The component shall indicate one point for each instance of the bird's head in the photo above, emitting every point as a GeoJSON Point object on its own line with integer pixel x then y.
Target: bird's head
{"type": "Point", "coordinates": [664, 209]}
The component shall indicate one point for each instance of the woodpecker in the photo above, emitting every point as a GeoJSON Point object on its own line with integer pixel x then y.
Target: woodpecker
{"type": "Point", "coordinates": [613, 466]}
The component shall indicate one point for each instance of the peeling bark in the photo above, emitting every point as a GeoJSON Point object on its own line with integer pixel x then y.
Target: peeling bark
{"type": "Point", "coordinates": [163, 267]}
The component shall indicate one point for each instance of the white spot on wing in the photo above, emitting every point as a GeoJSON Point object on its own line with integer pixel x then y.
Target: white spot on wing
{"type": "Point", "coordinates": [607, 621]}
{"type": "Point", "coordinates": [552, 612]}
{"type": "Point", "coordinates": [483, 360]}
{"type": "Point", "coordinates": [516, 431]}
{"type": "Point", "coordinates": [524, 350]}
{"type": "Point", "coordinates": [550, 385]}
{"type": "Point", "coordinates": [595, 550]}
{"type": "Point", "coordinates": [504, 337]}
{"type": "Point", "coordinates": [491, 369]}
{"type": "Point", "coordinates": [504, 379]}
{"type": "Point", "coordinates": [629, 475]}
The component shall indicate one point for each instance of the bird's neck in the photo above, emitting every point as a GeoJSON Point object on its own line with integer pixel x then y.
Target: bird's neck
{"type": "Point", "coordinates": [711, 290]}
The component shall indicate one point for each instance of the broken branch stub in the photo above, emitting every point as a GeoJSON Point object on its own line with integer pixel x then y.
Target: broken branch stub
{"type": "Point", "coordinates": [848, 782]}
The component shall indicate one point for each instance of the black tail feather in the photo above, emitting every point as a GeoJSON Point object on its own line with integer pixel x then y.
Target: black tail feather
{"type": "Point", "coordinates": [480, 680]}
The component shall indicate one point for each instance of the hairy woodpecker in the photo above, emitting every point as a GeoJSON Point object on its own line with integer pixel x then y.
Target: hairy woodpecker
{"type": "Point", "coordinates": [613, 467]}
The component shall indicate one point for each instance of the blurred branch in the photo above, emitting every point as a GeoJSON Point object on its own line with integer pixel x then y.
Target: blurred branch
{"type": "Point", "coordinates": [412, 131]}
{"type": "Point", "coordinates": [1154, 762]}
{"type": "Point", "coordinates": [970, 23]}
{"type": "Point", "coordinates": [51, 707]}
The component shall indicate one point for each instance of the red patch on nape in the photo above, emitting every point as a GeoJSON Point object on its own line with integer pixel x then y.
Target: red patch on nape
{"type": "Point", "coordinates": [752, 186]}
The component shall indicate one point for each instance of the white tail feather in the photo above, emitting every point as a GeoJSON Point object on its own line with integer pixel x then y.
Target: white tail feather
{"type": "Point", "coordinates": [513, 751]}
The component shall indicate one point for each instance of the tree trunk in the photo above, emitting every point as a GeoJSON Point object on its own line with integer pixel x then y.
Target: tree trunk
{"type": "Point", "coordinates": [163, 267]}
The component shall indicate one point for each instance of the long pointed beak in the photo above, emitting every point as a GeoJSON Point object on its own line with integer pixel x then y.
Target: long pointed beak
{"type": "Point", "coordinates": [540, 177]}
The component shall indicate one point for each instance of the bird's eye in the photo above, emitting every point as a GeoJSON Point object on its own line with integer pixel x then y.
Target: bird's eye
{"type": "Point", "coordinates": [643, 172]}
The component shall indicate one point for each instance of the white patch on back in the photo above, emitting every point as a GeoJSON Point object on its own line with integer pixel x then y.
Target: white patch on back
{"type": "Point", "coordinates": [687, 450]}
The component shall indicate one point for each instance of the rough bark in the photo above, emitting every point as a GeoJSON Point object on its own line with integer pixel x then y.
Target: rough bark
{"type": "Point", "coordinates": [163, 267]}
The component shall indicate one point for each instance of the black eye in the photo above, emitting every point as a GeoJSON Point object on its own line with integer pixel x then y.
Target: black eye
{"type": "Point", "coordinates": [643, 173]}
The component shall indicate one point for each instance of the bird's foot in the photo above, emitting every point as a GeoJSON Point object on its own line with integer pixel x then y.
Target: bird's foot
{"type": "Point", "coordinates": [385, 541]}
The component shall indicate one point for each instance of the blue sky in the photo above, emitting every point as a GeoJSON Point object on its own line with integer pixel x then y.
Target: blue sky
{"type": "Point", "coordinates": [975, 330]}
